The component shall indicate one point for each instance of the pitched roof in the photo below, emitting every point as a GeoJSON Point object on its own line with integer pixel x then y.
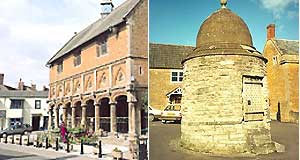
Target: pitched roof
{"type": "Point", "coordinates": [114, 18]}
{"type": "Point", "coordinates": [24, 94]}
{"type": "Point", "coordinates": [167, 55]}
{"type": "Point", "coordinates": [287, 46]}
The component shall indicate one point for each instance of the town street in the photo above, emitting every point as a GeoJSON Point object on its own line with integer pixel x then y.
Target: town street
{"type": "Point", "coordinates": [161, 135]}
{"type": "Point", "coordinates": [16, 152]}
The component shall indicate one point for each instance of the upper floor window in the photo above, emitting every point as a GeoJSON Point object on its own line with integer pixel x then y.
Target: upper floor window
{"type": "Point", "coordinates": [60, 67]}
{"type": "Point", "coordinates": [77, 59]}
{"type": "Point", "coordinates": [17, 104]}
{"type": "Point", "coordinates": [176, 76]}
{"type": "Point", "coordinates": [102, 48]}
{"type": "Point", "coordinates": [37, 104]}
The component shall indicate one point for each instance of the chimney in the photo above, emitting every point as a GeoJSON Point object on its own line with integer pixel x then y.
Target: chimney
{"type": "Point", "coordinates": [270, 31]}
{"type": "Point", "coordinates": [33, 87]}
{"type": "Point", "coordinates": [21, 85]}
{"type": "Point", "coordinates": [1, 78]}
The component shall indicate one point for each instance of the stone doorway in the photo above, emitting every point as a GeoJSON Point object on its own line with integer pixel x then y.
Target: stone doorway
{"type": "Point", "coordinates": [105, 114]}
{"type": "Point", "coordinates": [278, 116]}
{"type": "Point", "coordinates": [122, 114]}
{"type": "Point", "coordinates": [253, 98]}
{"type": "Point", "coordinates": [90, 114]}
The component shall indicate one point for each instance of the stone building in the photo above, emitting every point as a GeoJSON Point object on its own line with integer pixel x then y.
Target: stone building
{"type": "Point", "coordinates": [165, 73]}
{"type": "Point", "coordinates": [225, 107]}
{"type": "Point", "coordinates": [23, 105]}
{"type": "Point", "coordinates": [98, 79]}
{"type": "Point", "coordinates": [283, 76]}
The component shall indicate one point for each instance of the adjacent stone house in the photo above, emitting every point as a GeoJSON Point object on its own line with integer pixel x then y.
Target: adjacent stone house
{"type": "Point", "coordinates": [283, 76]}
{"type": "Point", "coordinates": [166, 73]}
{"type": "Point", "coordinates": [99, 78]}
{"type": "Point", "coordinates": [23, 105]}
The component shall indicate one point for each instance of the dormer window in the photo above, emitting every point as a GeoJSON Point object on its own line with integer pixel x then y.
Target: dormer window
{"type": "Point", "coordinates": [60, 67]}
{"type": "Point", "coordinates": [275, 60]}
{"type": "Point", "coordinates": [77, 59]}
{"type": "Point", "coordinates": [102, 48]}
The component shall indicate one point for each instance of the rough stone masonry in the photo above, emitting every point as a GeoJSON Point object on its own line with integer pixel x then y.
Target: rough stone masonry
{"type": "Point", "coordinates": [225, 98]}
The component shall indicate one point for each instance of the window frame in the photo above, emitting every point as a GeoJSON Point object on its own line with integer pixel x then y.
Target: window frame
{"type": "Point", "coordinates": [77, 60]}
{"type": "Point", "coordinates": [60, 67]}
{"type": "Point", "coordinates": [178, 76]}
{"type": "Point", "coordinates": [102, 48]}
{"type": "Point", "coordinates": [35, 104]}
{"type": "Point", "coordinates": [16, 106]}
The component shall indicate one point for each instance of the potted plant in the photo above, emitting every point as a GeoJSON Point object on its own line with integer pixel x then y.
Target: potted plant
{"type": "Point", "coordinates": [116, 153]}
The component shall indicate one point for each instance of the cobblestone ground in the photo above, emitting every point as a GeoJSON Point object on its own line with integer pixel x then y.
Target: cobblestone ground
{"type": "Point", "coordinates": [162, 137]}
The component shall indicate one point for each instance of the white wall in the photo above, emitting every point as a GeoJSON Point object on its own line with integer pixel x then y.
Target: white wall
{"type": "Point", "coordinates": [26, 113]}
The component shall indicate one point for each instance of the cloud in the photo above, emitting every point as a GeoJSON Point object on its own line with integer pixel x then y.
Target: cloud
{"type": "Point", "coordinates": [32, 31]}
{"type": "Point", "coordinates": [277, 7]}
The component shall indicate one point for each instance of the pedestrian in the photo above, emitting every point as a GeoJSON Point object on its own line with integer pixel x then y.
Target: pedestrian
{"type": "Point", "coordinates": [63, 132]}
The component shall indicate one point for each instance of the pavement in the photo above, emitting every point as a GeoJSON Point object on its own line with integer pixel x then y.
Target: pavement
{"type": "Point", "coordinates": [163, 136]}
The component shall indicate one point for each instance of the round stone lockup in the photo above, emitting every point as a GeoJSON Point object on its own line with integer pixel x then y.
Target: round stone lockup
{"type": "Point", "coordinates": [225, 97]}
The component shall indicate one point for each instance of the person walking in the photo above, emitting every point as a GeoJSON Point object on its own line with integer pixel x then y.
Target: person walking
{"type": "Point", "coordinates": [63, 132]}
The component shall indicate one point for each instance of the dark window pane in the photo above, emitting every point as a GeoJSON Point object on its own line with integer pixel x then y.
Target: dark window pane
{"type": "Point", "coordinates": [180, 79]}
{"type": "Point", "coordinates": [180, 73]}
{"type": "Point", "coordinates": [174, 74]}
{"type": "Point", "coordinates": [174, 79]}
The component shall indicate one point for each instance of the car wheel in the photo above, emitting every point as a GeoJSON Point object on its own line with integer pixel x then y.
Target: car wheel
{"type": "Point", "coordinates": [151, 117]}
{"type": "Point", "coordinates": [25, 132]}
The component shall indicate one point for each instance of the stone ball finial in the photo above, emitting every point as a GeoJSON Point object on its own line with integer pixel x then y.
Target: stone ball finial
{"type": "Point", "coordinates": [223, 3]}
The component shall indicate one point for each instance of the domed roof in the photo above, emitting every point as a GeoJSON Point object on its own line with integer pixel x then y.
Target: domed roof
{"type": "Point", "coordinates": [221, 28]}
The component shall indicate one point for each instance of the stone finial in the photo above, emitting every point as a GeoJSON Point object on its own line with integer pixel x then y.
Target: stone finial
{"type": "Point", "coordinates": [223, 3]}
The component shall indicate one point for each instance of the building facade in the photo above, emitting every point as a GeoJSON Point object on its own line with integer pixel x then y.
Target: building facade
{"type": "Point", "coordinates": [224, 100]}
{"type": "Point", "coordinates": [283, 76]}
{"type": "Point", "coordinates": [98, 79]}
{"type": "Point", "coordinates": [23, 105]}
{"type": "Point", "coordinates": [165, 74]}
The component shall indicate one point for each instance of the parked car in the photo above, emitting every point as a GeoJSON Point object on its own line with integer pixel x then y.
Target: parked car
{"type": "Point", "coordinates": [172, 112]}
{"type": "Point", "coordinates": [16, 129]}
{"type": "Point", "coordinates": [154, 114]}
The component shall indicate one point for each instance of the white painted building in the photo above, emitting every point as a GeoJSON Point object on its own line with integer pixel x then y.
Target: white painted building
{"type": "Point", "coordinates": [23, 105]}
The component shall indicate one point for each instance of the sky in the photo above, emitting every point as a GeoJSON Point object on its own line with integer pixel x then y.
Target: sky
{"type": "Point", "coordinates": [32, 31]}
{"type": "Point", "coordinates": [178, 21]}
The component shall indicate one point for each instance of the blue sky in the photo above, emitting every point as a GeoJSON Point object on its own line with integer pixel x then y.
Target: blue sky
{"type": "Point", "coordinates": [32, 31]}
{"type": "Point", "coordinates": [178, 21]}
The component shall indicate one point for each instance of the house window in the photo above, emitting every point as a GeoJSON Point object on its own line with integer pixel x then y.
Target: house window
{"type": "Point", "coordinates": [16, 121]}
{"type": "Point", "coordinates": [176, 76]}
{"type": "Point", "coordinates": [102, 49]}
{"type": "Point", "coordinates": [17, 104]}
{"type": "Point", "coordinates": [60, 67]}
{"type": "Point", "coordinates": [77, 60]}
{"type": "Point", "coordinates": [37, 104]}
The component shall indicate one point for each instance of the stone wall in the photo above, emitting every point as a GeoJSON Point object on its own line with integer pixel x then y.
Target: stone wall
{"type": "Point", "coordinates": [214, 108]}
{"type": "Point", "coordinates": [159, 85]}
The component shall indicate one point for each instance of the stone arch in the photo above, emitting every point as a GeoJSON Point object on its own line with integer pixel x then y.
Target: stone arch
{"type": "Point", "coordinates": [122, 113]}
{"type": "Point", "coordinates": [78, 111]}
{"type": "Point", "coordinates": [90, 113]}
{"type": "Point", "coordinates": [117, 94]}
{"type": "Point", "coordinates": [104, 113]}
